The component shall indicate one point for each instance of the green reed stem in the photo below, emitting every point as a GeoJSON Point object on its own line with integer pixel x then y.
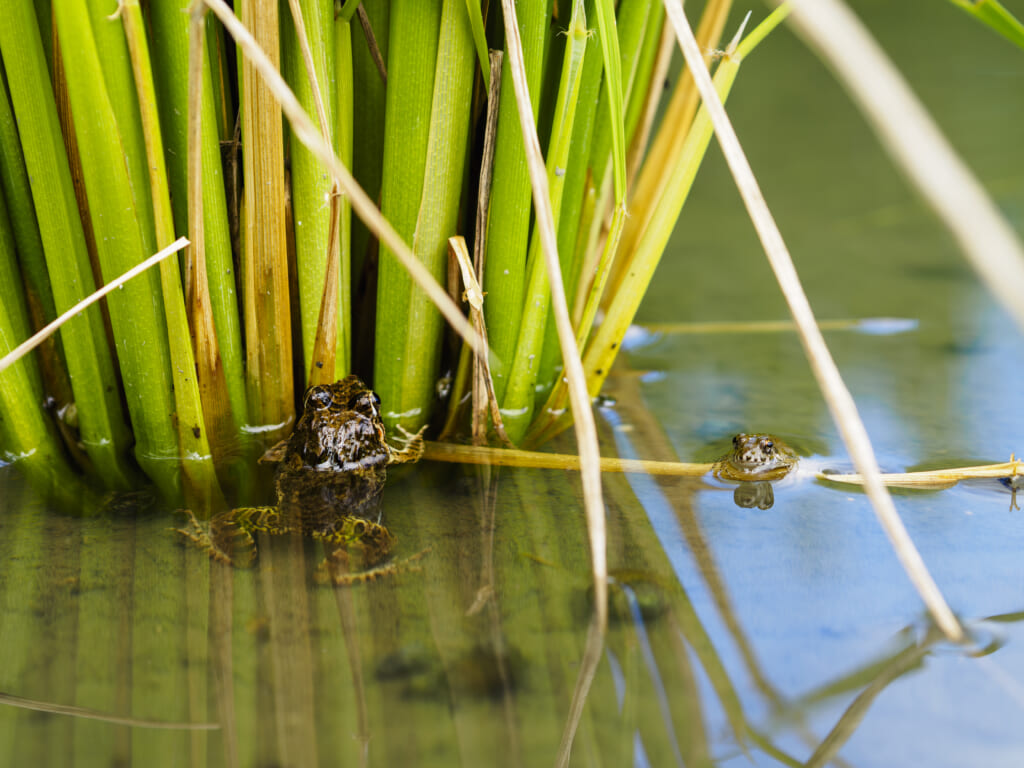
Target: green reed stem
{"type": "Point", "coordinates": [637, 20]}
{"type": "Point", "coordinates": [27, 434]}
{"type": "Point", "coordinates": [517, 407]}
{"type": "Point", "coordinates": [637, 30]}
{"type": "Point", "coordinates": [202, 490]}
{"type": "Point", "coordinates": [311, 183]}
{"type": "Point", "coordinates": [170, 55]}
{"type": "Point", "coordinates": [139, 327]}
{"type": "Point", "coordinates": [224, 104]}
{"type": "Point", "coordinates": [103, 431]}
{"type": "Point", "coordinates": [640, 82]}
{"type": "Point", "coordinates": [508, 228]}
{"type": "Point", "coordinates": [415, 25]}
{"type": "Point", "coordinates": [344, 119]}
{"type": "Point", "coordinates": [368, 131]}
{"type": "Point", "coordinates": [578, 179]}
{"type": "Point", "coordinates": [109, 37]}
{"type": "Point", "coordinates": [651, 244]}
{"type": "Point", "coordinates": [613, 69]}
{"type": "Point", "coordinates": [17, 325]}
{"type": "Point", "coordinates": [992, 14]}
{"type": "Point", "coordinates": [17, 191]}
{"type": "Point", "coordinates": [34, 280]}
{"type": "Point", "coordinates": [476, 21]}
{"type": "Point", "coordinates": [439, 205]}
{"type": "Point", "coordinates": [24, 428]}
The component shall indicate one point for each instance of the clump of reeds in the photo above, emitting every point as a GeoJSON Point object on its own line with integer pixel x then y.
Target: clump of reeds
{"type": "Point", "coordinates": [144, 125]}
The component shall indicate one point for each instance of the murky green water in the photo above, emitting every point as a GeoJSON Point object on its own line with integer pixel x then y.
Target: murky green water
{"type": "Point", "coordinates": [742, 635]}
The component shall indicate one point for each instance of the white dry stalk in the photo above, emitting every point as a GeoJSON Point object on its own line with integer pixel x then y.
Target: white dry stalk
{"type": "Point", "coordinates": [483, 384]}
{"type": "Point", "coordinates": [361, 203]}
{"type": "Point", "coordinates": [838, 397]}
{"type": "Point", "coordinates": [40, 336]}
{"type": "Point", "coordinates": [35, 705]}
{"type": "Point", "coordinates": [586, 431]}
{"type": "Point", "coordinates": [917, 145]}
{"type": "Point", "coordinates": [472, 293]}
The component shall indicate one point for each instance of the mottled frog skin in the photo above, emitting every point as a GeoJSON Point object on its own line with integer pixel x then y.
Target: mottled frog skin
{"type": "Point", "coordinates": [328, 484]}
{"type": "Point", "coordinates": [755, 458]}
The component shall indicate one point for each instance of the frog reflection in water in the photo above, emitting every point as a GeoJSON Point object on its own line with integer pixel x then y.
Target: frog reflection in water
{"type": "Point", "coordinates": [328, 484]}
{"type": "Point", "coordinates": [753, 462]}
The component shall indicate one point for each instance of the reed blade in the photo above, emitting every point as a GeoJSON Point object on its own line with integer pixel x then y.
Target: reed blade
{"type": "Point", "coordinates": [508, 228]}
{"type": "Point", "coordinates": [268, 335]}
{"type": "Point", "coordinates": [170, 52]}
{"type": "Point", "coordinates": [136, 316]}
{"type": "Point", "coordinates": [102, 425]}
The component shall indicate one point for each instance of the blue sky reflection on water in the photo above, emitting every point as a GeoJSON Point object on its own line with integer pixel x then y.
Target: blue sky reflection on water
{"type": "Point", "coordinates": [813, 581]}
{"type": "Point", "coordinates": [995, 420]}
{"type": "Point", "coordinates": [815, 585]}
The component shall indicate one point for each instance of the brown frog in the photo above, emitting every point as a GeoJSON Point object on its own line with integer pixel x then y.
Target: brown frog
{"type": "Point", "coordinates": [328, 484]}
{"type": "Point", "coordinates": [753, 462]}
{"type": "Point", "coordinates": [755, 458]}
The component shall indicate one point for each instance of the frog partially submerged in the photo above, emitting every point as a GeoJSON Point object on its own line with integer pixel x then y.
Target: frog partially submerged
{"type": "Point", "coordinates": [328, 484]}
{"type": "Point", "coordinates": [753, 462]}
{"type": "Point", "coordinates": [755, 458]}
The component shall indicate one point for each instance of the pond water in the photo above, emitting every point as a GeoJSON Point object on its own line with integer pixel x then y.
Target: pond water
{"type": "Point", "coordinates": [780, 636]}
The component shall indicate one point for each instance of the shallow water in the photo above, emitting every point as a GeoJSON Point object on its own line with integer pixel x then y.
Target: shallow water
{"type": "Point", "coordinates": [739, 635]}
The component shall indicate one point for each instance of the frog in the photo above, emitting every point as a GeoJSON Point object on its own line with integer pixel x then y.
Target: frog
{"type": "Point", "coordinates": [327, 485]}
{"type": "Point", "coordinates": [755, 458]}
{"type": "Point", "coordinates": [753, 462]}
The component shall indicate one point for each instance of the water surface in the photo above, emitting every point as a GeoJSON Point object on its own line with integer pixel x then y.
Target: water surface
{"type": "Point", "coordinates": [738, 635]}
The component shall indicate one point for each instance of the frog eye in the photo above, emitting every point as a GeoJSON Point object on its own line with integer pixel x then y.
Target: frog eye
{"type": "Point", "coordinates": [767, 446]}
{"type": "Point", "coordinates": [366, 403]}
{"type": "Point", "coordinates": [318, 397]}
{"type": "Point", "coordinates": [737, 440]}
{"type": "Point", "coordinates": [367, 395]}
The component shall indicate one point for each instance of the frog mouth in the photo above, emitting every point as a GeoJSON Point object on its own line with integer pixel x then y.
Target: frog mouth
{"type": "Point", "coordinates": [330, 461]}
{"type": "Point", "coordinates": [754, 461]}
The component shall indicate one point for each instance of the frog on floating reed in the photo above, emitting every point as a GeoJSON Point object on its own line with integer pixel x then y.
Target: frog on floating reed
{"type": "Point", "coordinates": [328, 483]}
